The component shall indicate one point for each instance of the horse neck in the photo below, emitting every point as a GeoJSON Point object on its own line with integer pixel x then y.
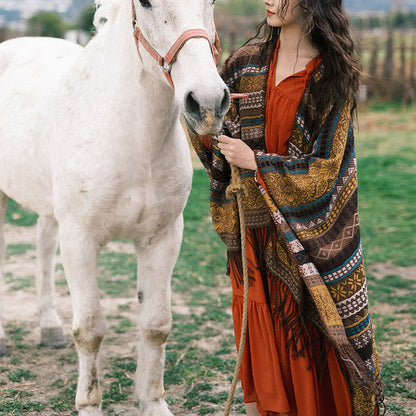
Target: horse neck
{"type": "Point", "coordinates": [145, 100]}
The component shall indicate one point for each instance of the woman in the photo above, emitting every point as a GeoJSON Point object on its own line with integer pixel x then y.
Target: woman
{"type": "Point", "coordinates": [310, 347]}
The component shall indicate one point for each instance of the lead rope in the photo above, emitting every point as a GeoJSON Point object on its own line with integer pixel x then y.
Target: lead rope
{"type": "Point", "coordinates": [237, 188]}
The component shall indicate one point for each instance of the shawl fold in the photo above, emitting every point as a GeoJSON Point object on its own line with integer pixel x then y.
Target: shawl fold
{"type": "Point", "coordinates": [307, 200]}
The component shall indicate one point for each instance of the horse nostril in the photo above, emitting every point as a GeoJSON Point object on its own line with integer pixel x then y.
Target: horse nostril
{"type": "Point", "coordinates": [225, 103]}
{"type": "Point", "coordinates": [192, 105]}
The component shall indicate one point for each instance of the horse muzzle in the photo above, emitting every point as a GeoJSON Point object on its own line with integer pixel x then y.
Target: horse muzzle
{"type": "Point", "coordinates": [203, 112]}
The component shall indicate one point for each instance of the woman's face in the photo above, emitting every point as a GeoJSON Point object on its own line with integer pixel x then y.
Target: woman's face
{"type": "Point", "coordinates": [274, 8]}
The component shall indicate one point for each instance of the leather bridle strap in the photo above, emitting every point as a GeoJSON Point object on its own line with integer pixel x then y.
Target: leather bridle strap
{"type": "Point", "coordinates": [165, 62]}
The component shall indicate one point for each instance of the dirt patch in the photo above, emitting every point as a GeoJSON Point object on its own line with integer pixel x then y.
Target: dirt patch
{"type": "Point", "coordinates": [380, 270]}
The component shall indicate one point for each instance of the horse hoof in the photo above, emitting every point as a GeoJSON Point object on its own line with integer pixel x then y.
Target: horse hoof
{"type": "Point", "coordinates": [3, 347]}
{"type": "Point", "coordinates": [53, 338]}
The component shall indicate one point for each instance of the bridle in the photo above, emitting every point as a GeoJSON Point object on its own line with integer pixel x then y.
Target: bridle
{"type": "Point", "coordinates": [166, 62]}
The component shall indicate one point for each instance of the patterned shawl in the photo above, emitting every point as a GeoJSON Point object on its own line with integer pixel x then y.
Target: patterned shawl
{"type": "Point", "coordinates": [307, 202]}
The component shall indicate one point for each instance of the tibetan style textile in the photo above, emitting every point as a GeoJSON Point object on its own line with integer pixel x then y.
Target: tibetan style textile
{"type": "Point", "coordinates": [307, 202]}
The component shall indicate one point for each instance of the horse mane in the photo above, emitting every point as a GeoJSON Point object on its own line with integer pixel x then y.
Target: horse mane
{"type": "Point", "coordinates": [106, 10]}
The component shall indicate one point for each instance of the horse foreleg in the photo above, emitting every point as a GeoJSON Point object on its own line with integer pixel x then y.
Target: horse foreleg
{"type": "Point", "coordinates": [52, 334]}
{"type": "Point", "coordinates": [79, 254]}
{"type": "Point", "coordinates": [154, 270]}
{"type": "Point", "coordinates": [3, 207]}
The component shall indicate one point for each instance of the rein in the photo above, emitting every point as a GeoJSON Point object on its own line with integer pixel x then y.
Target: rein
{"type": "Point", "coordinates": [166, 62]}
{"type": "Point", "coordinates": [237, 188]}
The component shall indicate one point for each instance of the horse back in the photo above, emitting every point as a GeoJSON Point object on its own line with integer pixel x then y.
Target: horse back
{"type": "Point", "coordinates": [31, 63]}
{"type": "Point", "coordinates": [30, 73]}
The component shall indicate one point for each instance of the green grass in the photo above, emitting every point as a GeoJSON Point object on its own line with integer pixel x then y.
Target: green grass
{"type": "Point", "coordinates": [202, 259]}
{"type": "Point", "coordinates": [118, 381]}
{"type": "Point", "coordinates": [387, 195]}
{"type": "Point", "coordinates": [11, 407]}
{"type": "Point", "coordinates": [17, 215]}
{"type": "Point", "coordinates": [65, 399]}
{"type": "Point", "coordinates": [21, 374]}
{"type": "Point", "coordinates": [117, 274]}
{"type": "Point", "coordinates": [387, 187]}
{"type": "Point", "coordinates": [16, 249]}
{"type": "Point", "coordinates": [123, 326]}
{"type": "Point", "coordinates": [19, 283]}
{"type": "Point", "coordinates": [393, 290]}
{"type": "Point", "coordinates": [387, 198]}
{"type": "Point", "coordinates": [15, 332]}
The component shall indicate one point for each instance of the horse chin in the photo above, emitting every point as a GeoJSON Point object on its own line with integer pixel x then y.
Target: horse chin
{"type": "Point", "coordinates": [203, 127]}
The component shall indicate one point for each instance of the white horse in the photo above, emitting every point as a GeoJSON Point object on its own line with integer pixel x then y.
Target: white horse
{"type": "Point", "coordinates": [90, 139]}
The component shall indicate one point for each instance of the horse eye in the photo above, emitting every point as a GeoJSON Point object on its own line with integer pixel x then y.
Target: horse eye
{"type": "Point", "coordinates": [146, 4]}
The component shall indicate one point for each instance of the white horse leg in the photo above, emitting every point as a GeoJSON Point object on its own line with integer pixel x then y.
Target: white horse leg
{"type": "Point", "coordinates": [52, 334]}
{"type": "Point", "coordinates": [154, 270]}
{"type": "Point", "coordinates": [79, 254]}
{"type": "Point", "coordinates": [3, 206]}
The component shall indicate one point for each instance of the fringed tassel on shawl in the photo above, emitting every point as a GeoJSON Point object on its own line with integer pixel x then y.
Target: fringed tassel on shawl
{"type": "Point", "coordinates": [258, 241]}
{"type": "Point", "coordinates": [301, 335]}
{"type": "Point", "coordinates": [257, 238]}
{"type": "Point", "coordinates": [235, 266]}
{"type": "Point", "coordinates": [358, 373]}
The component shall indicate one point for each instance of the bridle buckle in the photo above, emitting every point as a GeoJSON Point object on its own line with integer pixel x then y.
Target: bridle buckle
{"type": "Point", "coordinates": [165, 65]}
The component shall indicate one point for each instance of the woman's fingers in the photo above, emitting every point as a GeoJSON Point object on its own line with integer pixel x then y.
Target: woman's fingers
{"type": "Point", "coordinates": [225, 139]}
{"type": "Point", "coordinates": [224, 143]}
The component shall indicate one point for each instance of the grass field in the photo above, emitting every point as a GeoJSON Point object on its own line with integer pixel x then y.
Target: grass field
{"type": "Point", "coordinates": [201, 350]}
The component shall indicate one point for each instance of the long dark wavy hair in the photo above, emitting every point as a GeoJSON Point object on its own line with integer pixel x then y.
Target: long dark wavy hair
{"type": "Point", "coordinates": [328, 24]}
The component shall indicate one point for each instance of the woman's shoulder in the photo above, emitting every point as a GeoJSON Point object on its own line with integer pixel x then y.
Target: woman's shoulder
{"type": "Point", "coordinates": [248, 50]}
{"type": "Point", "coordinates": [247, 55]}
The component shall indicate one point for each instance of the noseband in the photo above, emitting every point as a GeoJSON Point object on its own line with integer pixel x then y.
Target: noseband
{"type": "Point", "coordinates": [166, 62]}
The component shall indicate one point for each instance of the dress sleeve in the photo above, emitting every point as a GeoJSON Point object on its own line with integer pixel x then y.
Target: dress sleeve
{"type": "Point", "coordinates": [296, 181]}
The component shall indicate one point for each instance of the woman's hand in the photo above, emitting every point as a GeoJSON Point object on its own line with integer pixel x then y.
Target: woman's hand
{"type": "Point", "coordinates": [237, 152]}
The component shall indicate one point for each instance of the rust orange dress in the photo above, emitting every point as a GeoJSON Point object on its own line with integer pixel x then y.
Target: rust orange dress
{"type": "Point", "coordinates": [270, 375]}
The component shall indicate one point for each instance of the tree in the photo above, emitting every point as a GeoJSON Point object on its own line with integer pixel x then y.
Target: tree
{"type": "Point", "coordinates": [245, 7]}
{"type": "Point", "coordinates": [46, 24]}
{"type": "Point", "coordinates": [86, 19]}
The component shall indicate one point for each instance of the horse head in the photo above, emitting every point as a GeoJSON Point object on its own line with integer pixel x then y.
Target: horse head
{"type": "Point", "coordinates": [174, 39]}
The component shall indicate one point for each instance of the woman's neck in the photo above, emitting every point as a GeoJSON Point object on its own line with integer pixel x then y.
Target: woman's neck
{"type": "Point", "coordinates": [296, 50]}
{"type": "Point", "coordinates": [293, 43]}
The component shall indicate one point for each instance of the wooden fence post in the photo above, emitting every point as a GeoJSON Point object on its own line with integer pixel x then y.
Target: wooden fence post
{"type": "Point", "coordinates": [402, 72]}
{"type": "Point", "coordinates": [372, 70]}
{"type": "Point", "coordinates": [389, 60]}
